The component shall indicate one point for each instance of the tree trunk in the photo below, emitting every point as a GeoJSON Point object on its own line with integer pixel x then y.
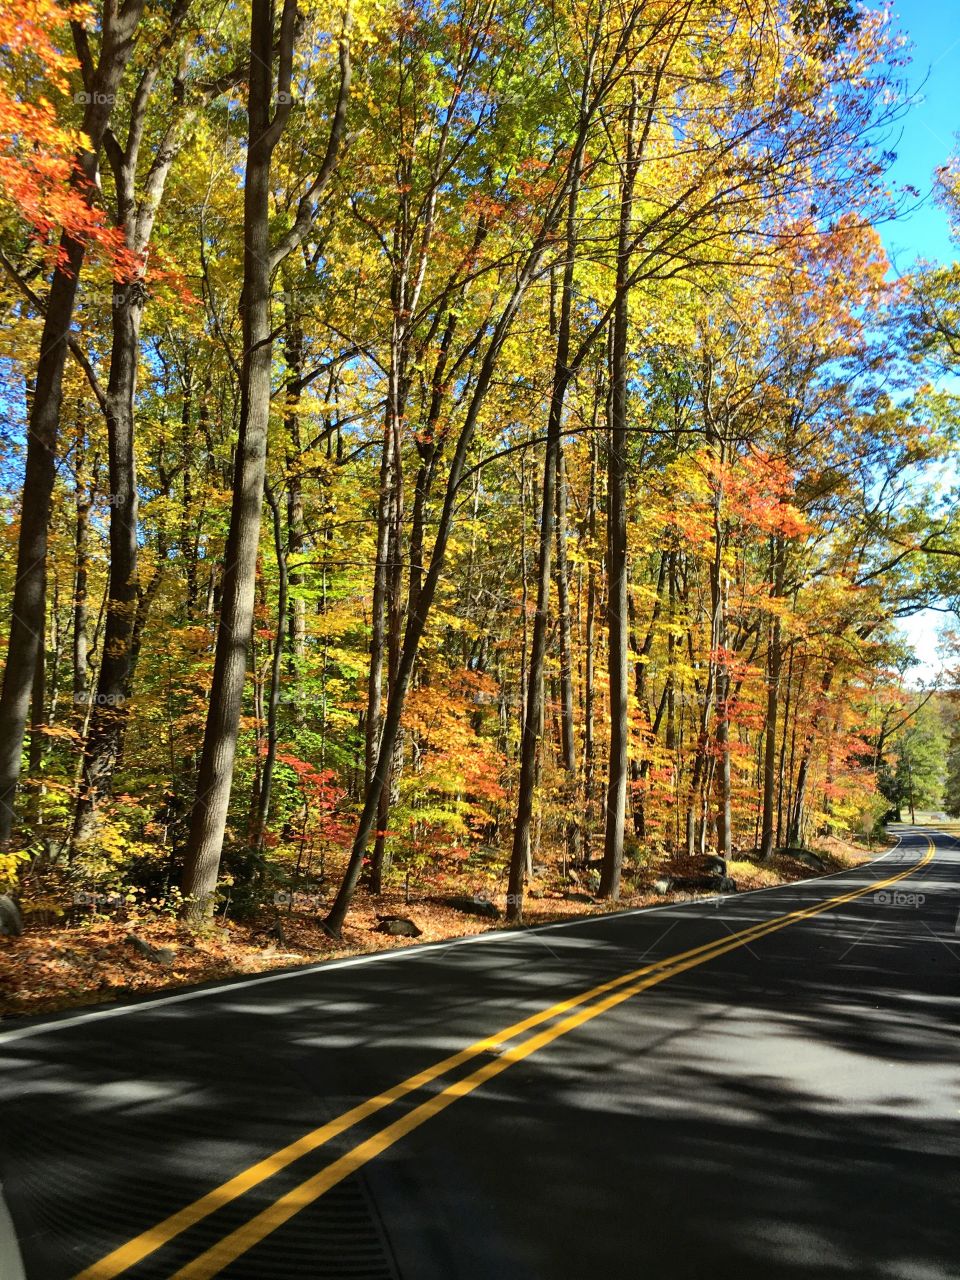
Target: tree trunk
{"type": "Point", "coordinates": [260, 260]}
{"type": "Point", "coordinates": [568, 753]}
{"type": "Point", "coordinates": [639, 770]}
{"type": "Point", "coordinates": [724, 831]}
{"type": "Point", "coordinates": [795, 829]}
{"type": "Point", "coordinates": [109, 715]}
{"type": "Point", "coordinates": [26, 624]}
{"type": "Point", "coordinates": [215, 776]}
{"type": "Point", "coordinates": [774, 666]}
{"type": "Point", "coordinates": [83, 501]}
{"type": "Point", "coordinates": [589, 660]}
{"type": "Point", "coordinates": [617, 620]}
{"type": "Point", "coordinates": [264, 792]}
{"type": "Point", "coordinates": [296, 540]}
{"type": "Point", "coordinates": [530, 744]}
{"type": "Point", "coordinates": [38, 717]}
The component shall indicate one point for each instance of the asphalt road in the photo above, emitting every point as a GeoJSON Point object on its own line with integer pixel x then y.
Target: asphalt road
{"type": "Point", "coordinates": [764, 1086]}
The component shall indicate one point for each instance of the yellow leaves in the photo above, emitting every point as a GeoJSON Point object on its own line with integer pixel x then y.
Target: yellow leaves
{"type": "Point", "coordinates": [10, 864]}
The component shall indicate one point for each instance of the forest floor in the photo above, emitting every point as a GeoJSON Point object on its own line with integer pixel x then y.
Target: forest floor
{"type": "Point", "coordinates": [89, 961]}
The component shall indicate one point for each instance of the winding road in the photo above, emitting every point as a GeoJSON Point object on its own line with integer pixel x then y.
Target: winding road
{"type": "Point", "coordinates": [764, 1085]}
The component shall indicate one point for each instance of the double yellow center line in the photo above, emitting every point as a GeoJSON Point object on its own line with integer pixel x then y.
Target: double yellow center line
{"type": "Point", "coordinates": [578, 1009]}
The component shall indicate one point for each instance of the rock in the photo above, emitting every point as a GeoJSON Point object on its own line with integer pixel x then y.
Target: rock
{"type": "Point", "coordinates": [695, 884]}
{"type": "Point", "coordinates": [578, 897]}
{"type": "Point", "coordinates": [473, 907]}
{"type": "Point", "coordinates": [10, 922]}
{"type": "Point", "coordinates": [159, 955]}
{"type": "Point", "coordinates": [806, 857]}
{"type": "Point", "coordinates": [398, 927]}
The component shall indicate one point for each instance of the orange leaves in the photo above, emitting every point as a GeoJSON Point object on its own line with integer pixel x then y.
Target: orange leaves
{"type": "Point", "coordinates": [27, 27]}
{"type": "Point", "coordinates": [755, 492]}
{"type": "Point", "coordinates": [39, 171]}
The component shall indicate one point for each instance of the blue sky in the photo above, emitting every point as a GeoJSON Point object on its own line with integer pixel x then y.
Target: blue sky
{"type": "Point", "coordinates": [929, 127]}
{"type": "Point", "coordinates": [928, 137]}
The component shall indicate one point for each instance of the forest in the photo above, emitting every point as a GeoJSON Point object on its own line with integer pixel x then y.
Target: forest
{"type": "Point", "coordinates": [459, 447]}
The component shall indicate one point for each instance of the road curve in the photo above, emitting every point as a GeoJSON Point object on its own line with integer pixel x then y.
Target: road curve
{"type": "Point", "coordinates": [766, 1085]}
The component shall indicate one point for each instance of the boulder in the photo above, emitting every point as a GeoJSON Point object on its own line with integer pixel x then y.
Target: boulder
{"type": "Point", "coordinates": [398, 927]}
{"type": "Point", "coordinates": [10, 922]}
{"type": "Point", "coordinates": [164, 956]}
{"type": "Point", "coordinates": [808, 859]}
{"type": "Point", "coordinates": [695, 884]}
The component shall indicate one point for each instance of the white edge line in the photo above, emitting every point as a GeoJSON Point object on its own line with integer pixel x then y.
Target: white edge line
{"type": "Point", "coordinates": [493, 935]}
{"type": "Point", "coordinates": [11, 1263]}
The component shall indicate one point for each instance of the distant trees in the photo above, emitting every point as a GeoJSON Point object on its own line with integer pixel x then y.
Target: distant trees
{"type": "Point", "coordinates": [917, 774]}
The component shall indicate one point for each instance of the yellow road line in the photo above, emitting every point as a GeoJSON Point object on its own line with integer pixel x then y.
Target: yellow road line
{"type": "Point", "coordinates": [162, 1233]}
{"type": "Point", "coordinates": [213, 1260]}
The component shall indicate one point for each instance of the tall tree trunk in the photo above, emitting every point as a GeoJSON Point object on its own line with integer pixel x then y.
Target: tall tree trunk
{"type": "Point", "coordinates": [135, 217]}
{"type": "Point", "coordinates": [795, 830]}
{"type": "Point", "coordinates": [265, 789]}
{"type": "Point", "coordinates": [639, 770]}
{"type": "Point", "coordinates": [530, 744]}
{"type": "Point", "coordinates": [391, 623]}
{"type": "Point", "coordinates": [617, 619]}
{"type": "Point", "coordinates": [768, 820]}
{"type": "Point", "coordinates": [101, 84]}
{"type": "Point", "coordinates": [38, 716]}
{"type": "Point", "coordinates": [108, 719]}
{"type": "Point", "coordinates": [589, 660]}
{"type": "Point", "coordinates": [260, 260]}
{"type": "Point", "coordinates": [378, 610]}
{"type": "Point", "coordinates": [83, 502]}
{"type": "Point", "coordinates": [568, 753]}
{"type": "Point", "coordinates": [724, 818]}
{"type": "Point", "coordinates": [568, 745]}
{"type": "Point", "coordinates": [296, 539]}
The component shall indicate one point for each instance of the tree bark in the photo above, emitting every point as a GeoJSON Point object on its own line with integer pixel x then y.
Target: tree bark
{"type": "Point", "coordinates": [83, 503]}
{"type": "Point", "coordinates": [260, 261]}
{"type": "Point", "coordinates": [108, 718]}
{"type": "Point", "coordinates": [533, 718]}
{"type": "Point", "coordinates": [768, 820]}
{"type": "Point", "coordinates": [568, 744]}
{"type": "Point", "coordinates": [265, 790]}
{"type": "Point", "coordinates": [617, 619]}
{"type": "Point", "coordinates": [119, 27]}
